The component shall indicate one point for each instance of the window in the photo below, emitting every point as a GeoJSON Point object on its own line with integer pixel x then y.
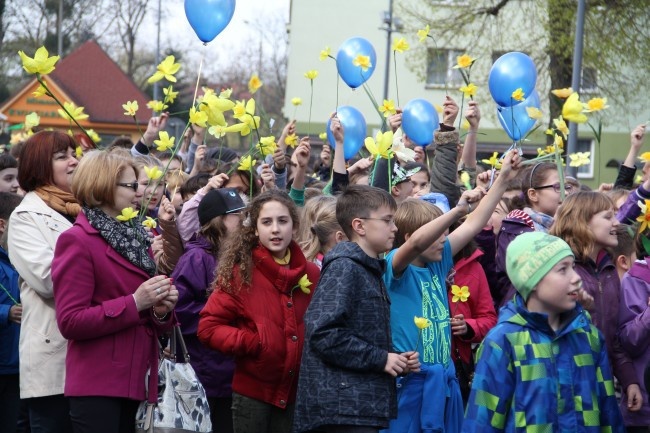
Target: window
{"type": "Point", "coordinates": [586, 145]}
{"type": "Point", "coordinates": [589, 80]}
{"type": "Point", "coordinates": [439, 68]}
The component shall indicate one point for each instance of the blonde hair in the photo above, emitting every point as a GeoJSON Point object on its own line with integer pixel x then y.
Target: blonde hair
{"type": "Point", "coordinates": [572, 220]}
{"type": "Point", "coordinates": [95, 179]}
{"type": "Point", "coordinates": [318, 223]}
{"type": "Point", "coordinates": [412, 214]}
{"type": "Point", "coordinates": [176, 179]}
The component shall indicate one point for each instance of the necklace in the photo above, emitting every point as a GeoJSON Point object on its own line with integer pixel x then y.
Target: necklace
{"type": "Point", "coordinates": [285, 260]}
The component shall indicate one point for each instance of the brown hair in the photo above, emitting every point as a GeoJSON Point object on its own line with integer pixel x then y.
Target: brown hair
{"type": "Point", "coordinates": [534, 177]}
{"type": "Point", "coordinates": [357, 201]}
{"type": "Point", "coordinates": [412, 214]}
{"type": "Point", "coordinates": [35, 168]}
{"type": "Point", "coordinates": [96, 176]}
{"type": "Point", "coordinates": [318, 223]}
{"type": "Point", "coordinates": [239, 247]}
{"type": "Point", "coordinates": [215, 232]}
{"type": "Point", "coordinates": [572, 220]}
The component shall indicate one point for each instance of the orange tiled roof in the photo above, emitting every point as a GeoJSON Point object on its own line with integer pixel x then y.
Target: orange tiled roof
{"type": "Point", "coordinates": [93, 80]}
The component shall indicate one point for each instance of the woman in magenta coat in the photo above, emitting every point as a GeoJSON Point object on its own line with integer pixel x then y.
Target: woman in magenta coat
{"type": "Point", "coordinates": [110, 304]}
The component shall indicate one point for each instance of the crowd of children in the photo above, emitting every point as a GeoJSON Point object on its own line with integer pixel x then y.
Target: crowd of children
{"type": "Point", "coordinates": [390, 294]}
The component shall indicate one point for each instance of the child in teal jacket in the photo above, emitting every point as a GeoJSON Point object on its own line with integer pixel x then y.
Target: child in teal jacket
{"type": "Point", "coordinates": [544, 366]}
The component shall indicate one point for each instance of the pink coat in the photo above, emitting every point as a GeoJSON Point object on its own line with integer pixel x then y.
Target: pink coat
{"type": "Point", "coordinates": [110, 344]}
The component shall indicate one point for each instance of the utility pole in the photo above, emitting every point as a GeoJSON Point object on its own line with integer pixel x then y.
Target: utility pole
{"type": "Point", "coordinates": [59, 29]}
{"type": "Point", "coordinates": [572, 145]}
{"type": "Point", "coordinates": [156, 85]}
{"type": "Point", "coordinates": [388, 20]}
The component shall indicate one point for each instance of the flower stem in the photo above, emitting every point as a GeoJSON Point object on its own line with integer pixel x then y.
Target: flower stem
{"type": "Point", "coordinates": [9, 294]}
{"type": "Point", "coordinates": [311, 101]}
{"type": "Point", "coordinates": [396, 81]}
{"type": "Point", "coordinates": [49, 92]}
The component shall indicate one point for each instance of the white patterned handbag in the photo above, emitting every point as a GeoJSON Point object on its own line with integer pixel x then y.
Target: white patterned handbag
{"type": "Point", "coordinates": [182, 405]}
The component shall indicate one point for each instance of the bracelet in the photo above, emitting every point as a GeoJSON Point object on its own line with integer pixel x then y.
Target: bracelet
{"type": "Point", "coordinates": [159, 318]}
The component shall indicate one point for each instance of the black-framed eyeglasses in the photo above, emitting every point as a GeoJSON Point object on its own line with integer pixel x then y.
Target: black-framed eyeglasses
{"type": "Point", "coordinates": [387, 221]}
{"type": "Point", "coordinates": [133, 185]}
{"type": "Point", "coordinates": [556, 187]}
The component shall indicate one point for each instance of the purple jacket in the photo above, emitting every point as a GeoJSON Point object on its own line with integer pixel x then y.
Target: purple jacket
{"type": "Point", "coordinates": [192, 276]}
{"type": "Point", "coordinates": [110, 344]}
{"type": "Point", "coordinates": [630, 210]}
{"type": "Point", "coordinates": [601, 281]}
{"type": "Point", "coordinates": [634, 333]}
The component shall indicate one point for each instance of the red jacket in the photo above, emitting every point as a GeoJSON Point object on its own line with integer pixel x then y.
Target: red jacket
{"type": "Point", "coordinates": [262, 326]}
{"type": "Point", "coordinates": [478, 310]}
{"type": "Point", "coordinates": [110, 344]}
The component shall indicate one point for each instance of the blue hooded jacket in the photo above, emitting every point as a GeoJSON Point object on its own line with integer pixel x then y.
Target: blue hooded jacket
{"type": "Point", "coordinates": [9, 331]}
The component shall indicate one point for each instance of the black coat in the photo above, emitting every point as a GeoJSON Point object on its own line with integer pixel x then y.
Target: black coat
{"type": "Point", "coordinates": [347, 341]}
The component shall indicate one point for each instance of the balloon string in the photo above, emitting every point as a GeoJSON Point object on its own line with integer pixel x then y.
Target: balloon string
{"type": "Point", "coordinates": [198, 78]}
{"type": "Point", "coordinates": [338, 80]}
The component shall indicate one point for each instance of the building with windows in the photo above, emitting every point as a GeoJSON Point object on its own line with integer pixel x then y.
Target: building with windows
{"type": "Point", "coordinates": [426, 71]}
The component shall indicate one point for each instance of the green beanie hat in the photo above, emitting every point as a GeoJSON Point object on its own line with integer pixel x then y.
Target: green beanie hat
{"type": "Point", "coordinates": [531, 256]}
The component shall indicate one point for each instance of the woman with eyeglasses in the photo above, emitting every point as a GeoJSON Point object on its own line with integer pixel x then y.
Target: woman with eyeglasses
{"type": "Point", "coordinates": [540, 186]}
{"type": "Point", "coordinates": [111, 304]}
{"type": "Point", "coordinates": [47, 162]}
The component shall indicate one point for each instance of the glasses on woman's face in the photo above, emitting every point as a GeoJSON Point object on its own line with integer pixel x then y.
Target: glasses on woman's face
{"type": "Point", "coordinates": [132, 185]}
{"type": "Point", "coordinates": [568, 188]}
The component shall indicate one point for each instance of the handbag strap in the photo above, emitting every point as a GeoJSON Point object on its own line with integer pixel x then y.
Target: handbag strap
{"type": "Point", "coordinates": [177, 337]}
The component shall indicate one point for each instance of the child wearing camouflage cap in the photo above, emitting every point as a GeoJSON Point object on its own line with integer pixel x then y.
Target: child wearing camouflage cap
{"type": "Point", "coordinates": [544, 366]}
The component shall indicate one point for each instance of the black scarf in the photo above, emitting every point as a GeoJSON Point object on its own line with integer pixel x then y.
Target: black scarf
{"type": "Point", "coordinates": [130, 240]}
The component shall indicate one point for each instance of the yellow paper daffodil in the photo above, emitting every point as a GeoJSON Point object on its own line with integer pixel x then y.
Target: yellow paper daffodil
{"type": "Point", "coordinates": [157, 106]}
{"type": "Point", "coordinates": [239, 110]}
{"type": "Point", "coordinates": [40, 91]}
{"type": "Point", "coordinates": [40, 64]}
{"type": "Point", "coordinates": [518, 95]}
{"type": "Point", "coordinates": [165, 142]}
{"type": "Point", "coordinates": [645, 157]}
{"type": "Point", "coordinates": [400, 45]}
{"type": "Point", "coordinates": [459, 293]}
{"type": "Point", "coordinates": [166, 69]}
{"type": "Point", "coordinates": [296, 101]}
{"type": "Point", "coordinates": [438, 108]}
{"type": "Point", "coordinates": [562, 93]}
{"type": "Point", "coordinates": [558, 141]}
{"type": "Point", "coordinates": [153, 172]}
{"type": "Point", "coordinates": [78, 152]}
{"type": "Point", "coordinates": [572, 109]}
{"type": "Point", "coordinates": [304, 284]}
{"type": "Point", "coordinates": [75, 113]}
{"type": "Point", "coordinates": [387, 108]}
{"type": "Point", "coordinates": [421, 322]}
{"type": "Point", "coordinates": [381, 148]}
{"type": "Point", "coordinates": [465, 124]}
{"type": "Point", "coordinates": [363, 62]}
{"type": "Point", "coordinates": [644, 218]}
{"type": "Point", "coordinates": [170, 94]}
{"type": "Point", "coordinates": [596, 104]}
{"type": "Point", "coordinates": [638, 178]}
{"type": "Point", "coordinates": [93, 135]}
{"type": "Point", "coordinates": [246, 163]}
{"type": "Point", "coordinates": [325, 53]}
{"type": "Point", "coordinates": [464, 61]}
{"type": "Point", "coordinates": [198, 118]}
{"type": "Point", "coordinates": [423, 33]}
{"type": "Point", "coordinates": [579, 159]}
{"type": "Point", "coordinates": [130, 108]}
{"type": "Point", "coordinates": [291, 140]}
{"type": "Point", "coordinates": [217, 131]}
{"type": "Point", "coordinates": [225, 93]}
{"type": "Point", "coordinates": [323, 136]}
{"type": "Point", "coordinates": [493, 161]}
{"type": "Point", "coordinates": [561, 126]}
{"type": "Point", "coordinates": [469, 90]}
{"type": "Point", "coordinates": [465, 180]}
{"type": "Point", "coordinates": [534, 113]}
{"type": "Point", "coordinates": [127, 214]}
{"type": "Point", "coordinates": [32, 120]}
{"type": "Point", "coordinates": [267, 145]}
{"type": "Point", "coordinates": [311, 74]}
{"type": "Point", "coordinates": [150, 223]}
{"type": "Point", "coordinates": [254, 84]}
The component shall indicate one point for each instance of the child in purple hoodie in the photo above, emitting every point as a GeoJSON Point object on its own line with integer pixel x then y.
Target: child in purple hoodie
{"type": "Point", "coordinates": [219, 214]}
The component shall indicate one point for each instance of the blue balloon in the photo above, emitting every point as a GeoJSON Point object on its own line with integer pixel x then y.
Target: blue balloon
{"type": "Point", "coordinates": [515, 120]}
{"type": "Point", "coordinates": [419, 120]}
{"type": "Point", "coordinates": [510, 72]}
{"type": "Point", "coordinates": [354, 127]}
{"type": "Point", "coordinates": [354, 76]}
{"type": "Point", "coordinates": [208, 18]}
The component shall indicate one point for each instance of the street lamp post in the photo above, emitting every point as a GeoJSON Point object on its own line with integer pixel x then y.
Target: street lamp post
{"type": "Point", "coordinates": [572, 145]}
{"type": "Point", "coordinates": [389, 20]}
